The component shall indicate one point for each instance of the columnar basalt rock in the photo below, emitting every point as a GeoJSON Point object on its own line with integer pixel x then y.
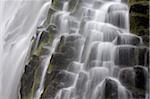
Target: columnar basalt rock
{"type": "Point", "coordinates": [31, 78]}
{"type": "Point", "coordinates": [92, 59]}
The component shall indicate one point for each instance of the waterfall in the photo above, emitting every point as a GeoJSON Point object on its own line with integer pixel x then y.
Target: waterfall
{"type": "Point", "coordinates": [19, 20]}
{"type": "Point", "coordinates": [97, 69]}
{"type": "Point", "coordinates": [93, 48]}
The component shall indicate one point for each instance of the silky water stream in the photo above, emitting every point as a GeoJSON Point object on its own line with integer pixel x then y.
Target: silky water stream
{"type": "Point", "coordinates": [106, 63]}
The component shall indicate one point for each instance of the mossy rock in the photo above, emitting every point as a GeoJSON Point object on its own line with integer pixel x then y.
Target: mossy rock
{"type": "Point", "coordinates": [27, 80]}
{"type": "Point", "coordinates": [139, 19]}
{"type": "Point", "coordinates": [50, 13]}
{"type": "Point", "coordinates": [31, 78]}
{"type": "Point", "coordinates": [142, 8]}
{"type": "Point", "coordinates": [138, 23]}
{"type": "Point", "coordinates": [64, 54]}
{"type": "Point", "coordinates": [45, 40]}
{"type": "Point", "coordinates": [58, 4]}
{"type": "Point", "coordinates": [56, 80]}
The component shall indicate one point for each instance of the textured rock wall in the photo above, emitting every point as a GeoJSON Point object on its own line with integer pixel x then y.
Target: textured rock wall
{"type": "Point", "coordinates": [139, 25]}
{"type": "Point", "coordinates": [56, 76]}
{"type": "Point", "coordinates": [139, 18]}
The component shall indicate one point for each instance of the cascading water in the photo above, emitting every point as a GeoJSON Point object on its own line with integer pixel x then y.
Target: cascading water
{"type": "Point", "coordinates": [19, 20]}
{"type": "Point", "coordinates": [98, 72]}
{"type": "Point", "coordinates": [95, 40]}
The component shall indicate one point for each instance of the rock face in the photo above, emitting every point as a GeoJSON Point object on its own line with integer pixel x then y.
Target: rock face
{"type": "Point", "coordinates": [31, 78]}
{"type": "Point", "coordinates": [65, 53]}
{"type": "Point", "coordinates": [123, 56]}
{"type": "Point", "coordinates": [111, 87]}
{"type": "Point", "coordinates": [56, 80]}
{"type": "Point", "coordinates": [136, 80]}
{"type": "Point", "coordinates": [28, 78]}
{"type": "Point", "coordinates": [139, 18]}
{"type": "Point", "coordinates": [139, 25]}
{"type": "Point", "coordinates": [129, 54]}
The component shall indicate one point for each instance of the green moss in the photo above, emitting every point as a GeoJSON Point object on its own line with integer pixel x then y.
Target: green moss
{"type": "Point", "coordinates": [139, 19]}
{"type": "Point", "coordinates": [32, 76]}
{"type": "Point", "coordinates": [37, 80]}
{"type": "Point", "coordinates": [50, 68]}
{"type": "Point", "coordinates": [46, 40]}
{"type": "Point", "coordinates": [27, 79]}
{"type": "Point", "coordinates": [57, 4]}
{"type": "Point", "coordinates": [50, 13]}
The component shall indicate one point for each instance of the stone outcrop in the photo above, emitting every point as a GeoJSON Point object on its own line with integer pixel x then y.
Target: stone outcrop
{"type": "Point", "coordinates": [136, 80]}
{"type": "Point", "coordinates": [139, 18]}
{"type": "Point", "coordinates": [67, 51]}
{"type": "Point", "coordinates": [31, 78]}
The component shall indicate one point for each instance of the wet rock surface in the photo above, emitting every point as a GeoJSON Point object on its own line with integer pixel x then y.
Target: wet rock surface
{"type": "Point", "coordinates": [27, 81]}
{"type": "Point", "coordinates": [128, 39]}
{"type": "Point", "coordinates": [139, 18]}
{"type": "Point", "coordinates": [31, 78]}
{"type": "Point", "coordinates": [56, 80]}
{"type": "Point", "coordinates": [135, 79]}
{"type": "Point", "coordinates": [111, 89]}
{"type": "Point", "coordinates": [66, 52]}
{"type": "Point", "coordinates": [124, 54]}
{"type": "Point", "coordinates": [64, 63]}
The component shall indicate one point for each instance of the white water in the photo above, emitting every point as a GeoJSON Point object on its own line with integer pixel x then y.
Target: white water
{"type": "Point", "coordinates": [109, 21]}
{"type": "Point", "coordinates": [19, 19]}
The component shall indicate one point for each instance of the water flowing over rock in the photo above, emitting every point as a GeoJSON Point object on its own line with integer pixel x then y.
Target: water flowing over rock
{"type": "Point", "coordinates": [74, 49]}
{"type": "Point", "coordinates": [19, 20]}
